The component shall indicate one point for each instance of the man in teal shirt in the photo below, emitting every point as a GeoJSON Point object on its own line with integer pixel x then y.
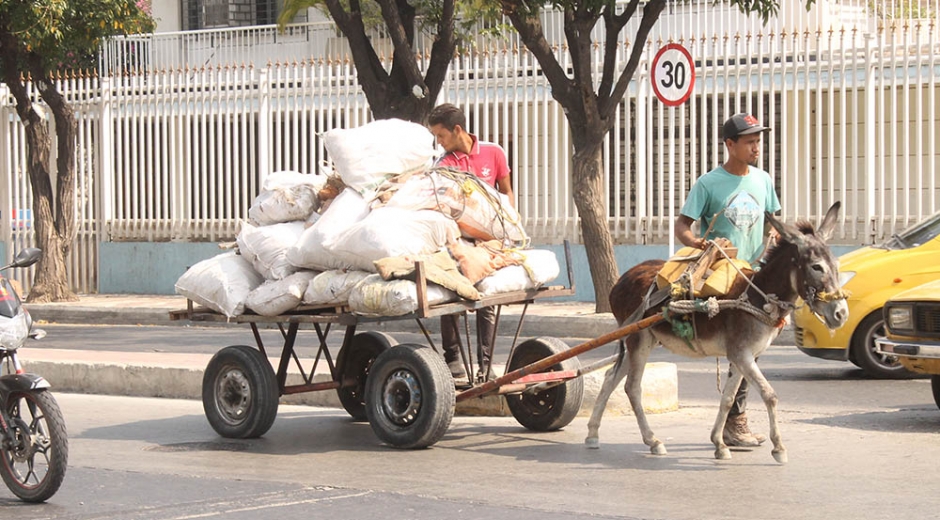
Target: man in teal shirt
{"type": "Point", "coordinates": [730, 202]}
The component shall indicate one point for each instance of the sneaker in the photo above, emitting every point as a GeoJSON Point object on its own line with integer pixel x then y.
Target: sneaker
{"type": "Point", "coordinates": [737, 433]}
{"type": "Point", "coordinates": [456, 369]}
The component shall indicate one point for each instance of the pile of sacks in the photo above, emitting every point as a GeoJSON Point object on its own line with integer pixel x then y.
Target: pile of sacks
{"type": "Point", "coordinates": [351, 237]}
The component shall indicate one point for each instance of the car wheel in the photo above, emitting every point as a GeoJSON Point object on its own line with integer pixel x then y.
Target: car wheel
{"type": "Point", "coordinates": [865, 354]}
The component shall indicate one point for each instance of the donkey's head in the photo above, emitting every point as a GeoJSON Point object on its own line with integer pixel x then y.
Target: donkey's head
{"type": "Point", "coordinates": [816, 277]}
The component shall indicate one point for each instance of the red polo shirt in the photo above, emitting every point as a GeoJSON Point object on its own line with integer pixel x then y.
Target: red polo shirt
{"type": "Point", "coordinates": [485, 160]}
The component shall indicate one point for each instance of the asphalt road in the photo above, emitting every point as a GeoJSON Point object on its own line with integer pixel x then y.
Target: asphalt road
{"type": "Point", "coordinates": [858, 449]}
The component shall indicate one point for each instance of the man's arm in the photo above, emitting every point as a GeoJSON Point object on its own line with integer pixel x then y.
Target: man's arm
{"type": "Point", "coordinates": [504, 186]}
{"type": "Point", "coordinates": [684, 233]}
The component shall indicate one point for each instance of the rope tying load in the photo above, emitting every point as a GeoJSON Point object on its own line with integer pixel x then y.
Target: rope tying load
{"type": "Point", "coordinates": [771, 313]}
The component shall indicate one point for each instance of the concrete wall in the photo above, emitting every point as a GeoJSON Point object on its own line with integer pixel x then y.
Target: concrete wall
{"type": "Point", "coordinates": [154, 267]}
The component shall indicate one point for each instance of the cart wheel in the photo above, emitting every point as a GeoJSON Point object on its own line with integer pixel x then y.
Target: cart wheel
{"type": "Point", "coordinates": [363, 350]}
{"type": "Point", "coordinates": [409, 396]}
{"type": "Point", "coordinates": [550, 409]}
{"type": "Point", "coordinates": [240, 393]}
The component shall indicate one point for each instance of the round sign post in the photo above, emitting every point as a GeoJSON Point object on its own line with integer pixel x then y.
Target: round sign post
{"type": "Point", "coordinates": [673, 74]}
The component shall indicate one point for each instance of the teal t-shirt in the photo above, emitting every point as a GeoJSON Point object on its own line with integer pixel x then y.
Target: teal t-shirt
{"type": "Point", "coordinates": [744, 200]}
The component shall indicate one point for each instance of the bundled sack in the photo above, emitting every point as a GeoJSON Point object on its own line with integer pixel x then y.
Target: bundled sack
{"type": "Point", "coordinates": [276, 297]}
{"type": "Point", "coordinates": [477, 261]}
{"type": "Point", "coordinates": [481, 212]}
{"type": "Point", "coordinates": [376, 297]}
{"type": "Point", "coordinates": [311, 249]}
{"type": "Point", "coordinates": [332, 287]}
{"type": "Point", "coordinates": [266, 247]}
{"type": "Point", "coordinates": [221, 283]}
{"type": "Point", "coordinates": [539, 266]}
{"type": "Point", "coordinates": [366, 156]}
{"type": "Point", "coordinates": [286, 196]}
{"type": "Point", "coordinates": [389, 232]}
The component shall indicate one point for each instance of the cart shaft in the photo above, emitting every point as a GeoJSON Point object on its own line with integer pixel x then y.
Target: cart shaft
{"type": "Point", "coordinates": [545, 363]}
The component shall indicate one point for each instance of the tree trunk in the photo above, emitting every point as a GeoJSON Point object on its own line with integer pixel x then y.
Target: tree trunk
{"type": "Point", "coordinates": [588, 189]}
{"type": "Point", "coordinates": [51, 278]}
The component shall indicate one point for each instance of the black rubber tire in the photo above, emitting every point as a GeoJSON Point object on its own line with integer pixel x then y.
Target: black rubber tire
{"type": "Point", "coordinates": [409, 397]}
{"type": "Point", "coordinates": [865, 354]}
{"type": "Point", "coordinates": [935, 386]}
{"type": "Point", "coordinates": [240, 393]}
{"type": "Point", "coordinates": [364, 349]}
{"type": "Point", "coordinates": [550, 409]}
{"type": "Point", "coordinates": [43, 420]}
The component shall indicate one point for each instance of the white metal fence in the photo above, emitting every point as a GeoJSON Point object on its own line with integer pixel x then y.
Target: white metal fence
{"type": "Point", "coordinates": [177, 152]}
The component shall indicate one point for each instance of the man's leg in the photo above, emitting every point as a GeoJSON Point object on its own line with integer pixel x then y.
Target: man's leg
{"type": "Point", "coordinates": [486, 336]}
{"type": "Point", "coordinates": [737, 432]}
{"type": "Point", "coordinates": [450, 344]}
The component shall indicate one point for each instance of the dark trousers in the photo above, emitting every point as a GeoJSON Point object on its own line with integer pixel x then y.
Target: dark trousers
{"type": "Point", "coordinates": [486, 332]}
{"type": "Point", "coordinates": [740, 398]}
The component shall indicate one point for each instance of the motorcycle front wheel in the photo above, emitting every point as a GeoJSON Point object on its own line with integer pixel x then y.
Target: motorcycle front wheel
{"type": "Point", "coordinates": [35, 458]}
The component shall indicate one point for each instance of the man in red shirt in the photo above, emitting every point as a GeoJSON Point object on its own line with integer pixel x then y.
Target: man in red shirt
{"type": "Point", "coordinates": [487, 161]}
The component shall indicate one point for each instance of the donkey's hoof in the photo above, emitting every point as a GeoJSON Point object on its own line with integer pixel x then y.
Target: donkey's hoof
{"type": "Point", "coordinates": [592, 443]}
{"type": "Point", "coordinates": [723, 453]}
{"type": "Point", "coordinates": [658, 449]}
{"type": "Point", "coordinates": [780, 456]}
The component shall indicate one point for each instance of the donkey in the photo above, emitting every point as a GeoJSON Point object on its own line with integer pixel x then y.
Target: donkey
{"type": "Point", "coordinates": [799, 265]}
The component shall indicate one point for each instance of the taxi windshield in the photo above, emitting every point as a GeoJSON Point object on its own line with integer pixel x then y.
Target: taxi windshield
{"type": "Point", "coordinates": [916, 235]}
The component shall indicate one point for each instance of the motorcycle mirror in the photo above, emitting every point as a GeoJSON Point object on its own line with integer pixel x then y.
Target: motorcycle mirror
{"type": "Point", "coordinates": [27, 257]}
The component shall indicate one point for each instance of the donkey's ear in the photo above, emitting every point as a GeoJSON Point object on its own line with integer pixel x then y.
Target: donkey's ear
{"type": "Point", "coordinates": [829, 221]}
{"type": "Point", "coordinates": [782, 229]}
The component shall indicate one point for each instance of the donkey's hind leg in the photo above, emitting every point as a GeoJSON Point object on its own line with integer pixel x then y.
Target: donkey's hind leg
{"type": "Point", "coordinates": [613, 375]}
{"type": "Point", "coordinates": [637, 355]}
{"type": "Point", "coordinates": [727, 399]}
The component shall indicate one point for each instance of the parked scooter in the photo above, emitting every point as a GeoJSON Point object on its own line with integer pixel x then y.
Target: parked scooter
{"type": "Point", "coordinates": [33, 442]}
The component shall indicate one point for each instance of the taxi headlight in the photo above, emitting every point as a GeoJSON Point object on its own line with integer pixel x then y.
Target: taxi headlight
{"type": "Point", "coordinates": [900, 318]}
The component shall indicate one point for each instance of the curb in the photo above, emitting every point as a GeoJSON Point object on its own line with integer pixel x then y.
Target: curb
{"type": "Point", "coordinates": [660, 386]}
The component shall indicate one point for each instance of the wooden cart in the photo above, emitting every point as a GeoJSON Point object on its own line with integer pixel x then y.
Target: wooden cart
{"type": "Point", "coordinates": [405, 391]}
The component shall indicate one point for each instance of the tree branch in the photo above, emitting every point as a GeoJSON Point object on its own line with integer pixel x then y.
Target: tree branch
{"type": "Point", "coordinates": [613, 24]}
{"type": "Point", "coordinates": [530, 30]}
{"type": "Point", "coordinates": [651, 14]}
{"type": "Point", "coordinates": [578, 27]}
{"type": "Point", "coordinates": [442, 51]}
{"type": "Point", "coordinates": [350, 23]}
{"type": "Point", "coordinates": [404, 58]}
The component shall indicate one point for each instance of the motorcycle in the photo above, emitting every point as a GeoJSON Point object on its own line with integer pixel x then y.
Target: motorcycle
{"type": "Point", "coordinates": [33, 441]}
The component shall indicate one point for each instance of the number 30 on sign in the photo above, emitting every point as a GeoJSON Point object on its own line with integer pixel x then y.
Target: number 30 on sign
{"type": "Point", "coordinates": [673, 74]}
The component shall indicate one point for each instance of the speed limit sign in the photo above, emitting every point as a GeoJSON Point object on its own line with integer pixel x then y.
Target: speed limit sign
{"type": "Point", "coordinates": [673, 74]}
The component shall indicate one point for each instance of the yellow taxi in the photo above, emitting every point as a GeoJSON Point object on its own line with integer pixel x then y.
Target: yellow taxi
{"type": "Point", "coordinates": [871, 275]}
{"type": "Point", "coordinates": [912, 326]}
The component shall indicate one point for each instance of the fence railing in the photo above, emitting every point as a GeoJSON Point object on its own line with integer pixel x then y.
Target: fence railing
{"type": "Point", "coordinates": [178, 153]}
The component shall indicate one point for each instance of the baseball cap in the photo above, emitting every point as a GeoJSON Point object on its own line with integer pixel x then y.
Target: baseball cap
{"type": "Point", "coordinates": [742, 124]}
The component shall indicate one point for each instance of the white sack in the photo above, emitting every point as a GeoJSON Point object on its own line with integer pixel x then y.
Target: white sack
{"type": "Point", "coordinates": [374, 296]}
{"type": "Point", "coordinates": [266, 247]}
{"type": "Point", "coordinates": [539, 267]}
{"type": "Point", "coordinates": [221, 283]}
{"type": "Point", "coordinates": [540, 264]}
{"type": "Point", "coordinates": [389, 232]}
{"type": "Point", "coordinates": [366, 156]}
{"type": "Point", "coordinates": [276, 297]}
{"type": "Point", "coordinates": [480, 210]}
{"type": "Point", "coordinates": [332, 287]}
{"type": "Point", "coordinates": [507, 279]}
{"type": "Point", "coordinates": [285, 197]}
{"type": "Point", "coordinates": [311, 249]}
